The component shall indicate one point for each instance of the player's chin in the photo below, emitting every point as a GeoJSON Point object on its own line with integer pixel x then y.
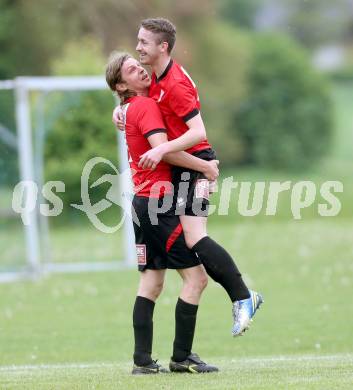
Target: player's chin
{"type": "Point", "coordinates": [144, 59]}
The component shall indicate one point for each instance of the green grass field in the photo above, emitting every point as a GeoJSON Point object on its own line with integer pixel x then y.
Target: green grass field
{"type": "Point", "coordinates": [74, 331]}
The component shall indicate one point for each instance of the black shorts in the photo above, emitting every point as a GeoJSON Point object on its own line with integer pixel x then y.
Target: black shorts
{"type": "Point", "coordinates": [159, 237]}
{"type": "Point", "coordinates": [191, 188]}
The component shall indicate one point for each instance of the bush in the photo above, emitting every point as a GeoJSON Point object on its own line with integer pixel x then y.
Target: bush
{"type": "Point", "coordinates": [82, 128]}
{"type": "Point", "coordinates": [286, 119]}
{"type": "Point", "coordinates": [84, 132]}
{"type": "Point", "coordinates": [219, 62]}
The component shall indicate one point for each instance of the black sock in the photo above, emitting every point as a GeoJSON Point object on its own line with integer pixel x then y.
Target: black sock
{"type": "Point", "coordinates": [143, 330]}
{"type": "Point", "coordinates": [185, 321]}
{"type": "Point", "coordinates": [221, 268]}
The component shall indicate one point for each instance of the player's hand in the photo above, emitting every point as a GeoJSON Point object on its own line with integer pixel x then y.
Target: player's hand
{"type": "Point", "coordinates": [118, 118]}
{"type": "Point", "coordinates": [151, 158]}
{"type": "Point", "coordinates": [212, 171]}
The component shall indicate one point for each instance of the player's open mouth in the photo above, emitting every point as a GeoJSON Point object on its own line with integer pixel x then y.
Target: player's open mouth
{"type": "Point", "coordinates": [144, 77]}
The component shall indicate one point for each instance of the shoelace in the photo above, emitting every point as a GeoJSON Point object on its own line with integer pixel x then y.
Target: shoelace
{"type": "Point", "coordinates": [158, 365]}
{"type": "Point", "coordinates": [198, 360]}
{"type": "Point", "coordinates": [236, 309]}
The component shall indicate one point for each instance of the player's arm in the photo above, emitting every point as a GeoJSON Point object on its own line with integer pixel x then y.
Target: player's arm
{"type": "Point", "coordinates": [185, 160]}
{"type": "Point", "coordinates": [193, 136]}
{"type": "Point", "coordinates": [184, 105]}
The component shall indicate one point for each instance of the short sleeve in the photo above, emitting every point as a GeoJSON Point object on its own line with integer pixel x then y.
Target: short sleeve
{"type": "Point", "coordinates": [150, 120]}
{"type": "Point", "coordinates": [183, 101]}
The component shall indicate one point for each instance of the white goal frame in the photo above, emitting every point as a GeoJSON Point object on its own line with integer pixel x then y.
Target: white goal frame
{"type": "Point", "coordinates": [22, 87]}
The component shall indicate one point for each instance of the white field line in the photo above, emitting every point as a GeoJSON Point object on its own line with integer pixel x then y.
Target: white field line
{"type": "Point", "coordinates": [239, 361]}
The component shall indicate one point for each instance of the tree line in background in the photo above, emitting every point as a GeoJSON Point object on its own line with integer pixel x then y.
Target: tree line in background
{"type": "Point", "coordinates": [262, 101]}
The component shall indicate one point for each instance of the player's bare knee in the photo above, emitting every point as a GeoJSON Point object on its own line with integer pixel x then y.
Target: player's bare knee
{"type": "Point", "coordinates": [196, 285]}
{"type": "Point", "coordinates": [151, 292]}
{"type": "Point", "coordinates": [192, 238]}
{"type": "Point", "coordinates": [158, 289]}
{"type": "Point", "coordinates": [204, 281]}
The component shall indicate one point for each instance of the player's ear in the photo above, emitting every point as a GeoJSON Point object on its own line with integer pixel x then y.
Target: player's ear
{"type": "Point", "coordinates": [164, 47]}
{"type": "Point", "coordinates": [120, 87]}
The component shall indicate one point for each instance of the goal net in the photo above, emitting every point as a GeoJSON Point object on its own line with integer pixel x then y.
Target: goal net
{"type": "Point", "coordinates": [59, 224]}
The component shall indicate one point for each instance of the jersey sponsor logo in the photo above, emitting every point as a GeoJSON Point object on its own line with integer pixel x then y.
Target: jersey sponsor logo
{"type": "Point", "coordinates": [202, 189]}
{"type": "Point", "coordinates": [141, 254]}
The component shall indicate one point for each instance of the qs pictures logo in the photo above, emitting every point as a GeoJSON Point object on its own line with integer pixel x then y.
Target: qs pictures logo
{"type": "Point", "coordinates": [25, 196]}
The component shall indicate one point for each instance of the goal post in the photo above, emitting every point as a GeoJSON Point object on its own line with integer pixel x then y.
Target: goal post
{"type": "Point", "coordinates": [22, 87]}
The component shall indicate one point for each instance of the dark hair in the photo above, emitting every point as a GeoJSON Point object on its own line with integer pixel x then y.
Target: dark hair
{"type": "Point", "coordinates": [165, 30]}
{"type": "Point", "coordinates": [113, 74]}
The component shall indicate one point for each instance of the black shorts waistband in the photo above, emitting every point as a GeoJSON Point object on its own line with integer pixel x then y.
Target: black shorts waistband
{"type": "Point", "coordinates": [205, 154]}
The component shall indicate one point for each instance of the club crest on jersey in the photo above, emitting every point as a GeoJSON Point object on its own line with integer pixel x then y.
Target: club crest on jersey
{"type": "Point", "coordinates": [141, 254]}
{"type": "Point", "coordinates": [202, 189]}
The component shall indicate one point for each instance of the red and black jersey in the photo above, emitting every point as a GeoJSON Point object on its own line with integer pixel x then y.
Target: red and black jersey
{"type": "Point", "coordinates": [178, 100]}
{"type": "Point", "coordinates": [142, 119]}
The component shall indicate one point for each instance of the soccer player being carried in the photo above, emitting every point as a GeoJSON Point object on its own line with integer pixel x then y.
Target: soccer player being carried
{"type": "Point", "coordinates": [159, 237]}
{"type": "Point", "coordinates": [177, 97]}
